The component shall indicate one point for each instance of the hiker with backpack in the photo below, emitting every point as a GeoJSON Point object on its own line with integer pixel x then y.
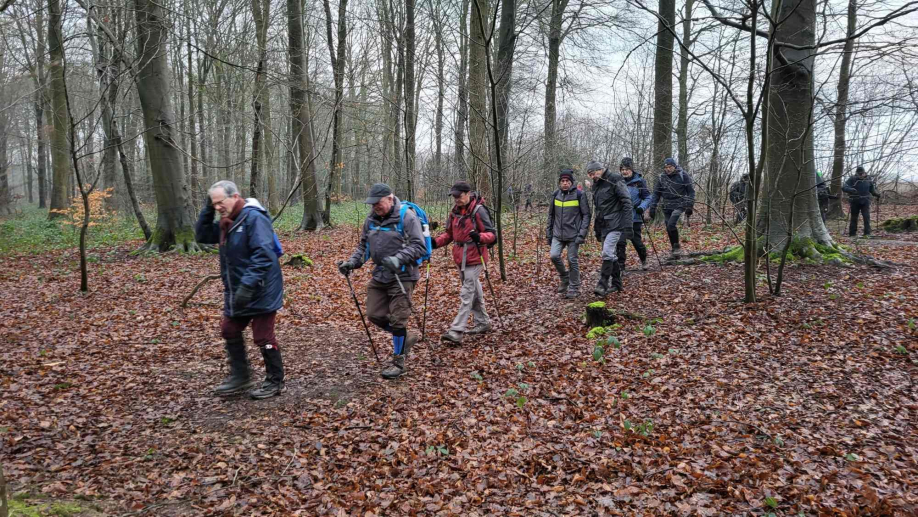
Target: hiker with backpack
{"type": "Point", "coordinates": [568, 223]}
{"type": "Point", "coordinates": [253, 285]}
{"type": "Point", "coordinates": [470, 230]}
{"type": "Point", "coordinates": [675, 190]}
{"type": "Point", "coordinates": [393, 237]}
{"type": "Point", "coordinates": [613, 223]}
{"type": "Point", "coordinates": [640, 200]}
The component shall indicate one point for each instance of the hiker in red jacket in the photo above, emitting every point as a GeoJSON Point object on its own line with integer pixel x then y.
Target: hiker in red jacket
{"type": "Point", "coordinates": [469, 228]}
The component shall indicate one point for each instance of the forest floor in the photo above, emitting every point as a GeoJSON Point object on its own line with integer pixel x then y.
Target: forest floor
{"type": "Point", "coordinates": [799, 404]}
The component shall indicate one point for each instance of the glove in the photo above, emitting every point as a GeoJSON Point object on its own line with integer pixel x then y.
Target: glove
{"type": "Point", "coordinates": [689, 212]}
{"type": "Point", "coordinates": [653, 214]}
{"type": "Point", "coordinates": [475, 236]}
{"type": "Point", "coordinates": [433, 244]}
{"type": "Point", "coordinates": [243, 296]}
{"type": "Point", "coordinates": [579, 240]}
{"type": "Point", "coordinates": [345, 267]}
{"type": "Point", "coordinates": [392, 264]}
{"type": "Point", "coordinates": [639, 210]}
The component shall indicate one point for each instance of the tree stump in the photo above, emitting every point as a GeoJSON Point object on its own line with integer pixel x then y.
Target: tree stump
{"type": "Point", "coordinates": [598, 315]}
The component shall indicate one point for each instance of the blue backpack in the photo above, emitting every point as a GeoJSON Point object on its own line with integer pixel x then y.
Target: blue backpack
{"type": "Point", "coordinates": [400, 228]}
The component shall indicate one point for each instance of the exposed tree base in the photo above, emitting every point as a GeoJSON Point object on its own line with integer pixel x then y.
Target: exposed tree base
{"type": "Point", "coordinates": [163, 240]}
{"type": "Point", "coordinates": [900, 224]}
{"type": "Point", "coordinates": [801, 249]}
{"type": "Point", "coordinates": [299, 261]}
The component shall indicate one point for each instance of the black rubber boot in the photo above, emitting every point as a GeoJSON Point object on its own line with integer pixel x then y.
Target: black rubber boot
{"type": "Point", "coordinates": [240, 378]}
{"type": "Point", "coordinates": [565, 282]}
{"type": "Point", "coordinates": [616, 278]}
{"type": "Point", "coordinates": [274, 375]}
{"type": "Point", "coordinates": [605, 273]}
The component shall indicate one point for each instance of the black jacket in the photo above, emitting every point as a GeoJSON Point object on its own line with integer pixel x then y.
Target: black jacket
{"type": "Point", "coordinates": [568, 215]}
{"type": "Point", "coordinates": [246, 258]}
{"type": "Point", "coordinates": [675, 190]}
{"type": "Point", "coordinates": [612, 203]}
{"type": "Point", "coordinates": [859, 190]}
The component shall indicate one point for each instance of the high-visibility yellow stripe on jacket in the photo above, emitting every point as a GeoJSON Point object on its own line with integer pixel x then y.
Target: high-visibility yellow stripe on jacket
{"type": "Point", "coordinates": [566, 204]}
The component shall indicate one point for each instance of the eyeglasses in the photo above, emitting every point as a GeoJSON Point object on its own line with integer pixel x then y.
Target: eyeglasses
{"type": "Point", "coordinates": [215, 203]}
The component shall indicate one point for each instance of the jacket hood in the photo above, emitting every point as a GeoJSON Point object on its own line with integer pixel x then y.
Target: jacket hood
{"type": "Point", "coordinates": [636, 176]}
{"type": "Point", "coordinates": [251, 202]}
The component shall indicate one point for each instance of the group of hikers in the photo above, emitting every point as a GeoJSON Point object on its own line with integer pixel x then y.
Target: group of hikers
{"type": "Point", "coordinates": [859, 188]}
{"type": "Point", "coordinates": [395, 236]}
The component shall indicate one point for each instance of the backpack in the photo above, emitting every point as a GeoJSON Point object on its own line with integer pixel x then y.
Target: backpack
{"type": "Point", "coordinates": [471, 216]}
{"type": "Point", "coordinates": [278, 249]}
{"type": "Point", "coordinates": [400, 228]}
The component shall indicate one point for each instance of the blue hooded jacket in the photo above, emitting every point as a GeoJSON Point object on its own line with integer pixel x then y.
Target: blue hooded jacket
{"type": "Point", "coordinates": [247, 258]}
{"type": "Point", "coordinates": [640, 194]}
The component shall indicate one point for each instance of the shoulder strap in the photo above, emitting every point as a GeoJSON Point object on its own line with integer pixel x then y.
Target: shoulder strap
{"type": "Point", "coordinates": [401, 219]}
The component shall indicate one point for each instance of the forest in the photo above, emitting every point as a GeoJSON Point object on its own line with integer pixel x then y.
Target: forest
{"type": "Point", "coordinates": [757, 358]}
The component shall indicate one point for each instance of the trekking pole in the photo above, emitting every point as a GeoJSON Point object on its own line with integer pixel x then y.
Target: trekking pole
{"type": "Point", "coordinates": [491, 287]}
{"type": "Point", "coordinates": [426, 290]}
{"type": "Point", "coordinates": [404, 292]}
{"type": "Point", "coordinates": [365, 327]}
{"type": "Point", "coordinates": [652, 245]}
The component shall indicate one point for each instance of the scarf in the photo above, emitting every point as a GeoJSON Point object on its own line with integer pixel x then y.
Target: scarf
{"type": "Point", "coordinates": [227, 220]}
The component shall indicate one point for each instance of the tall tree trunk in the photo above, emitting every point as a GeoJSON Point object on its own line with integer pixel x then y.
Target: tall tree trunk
{"type": "Point", "coordinates": [410, 105]}
{"type": "Point", "coordinates": [196, 187]}
{"type": "Point", "coordinates": [441, 92]}
{"type": "Point", "coordinates": [682, 125]}
{"type": "Point", "coordinates": [261, 14]}
{"type": "Point", "coordinates": [551, 83]}
{"type": "Point", "coordinates": [174, 221]}
{"type": "Point", "coordinates": [841, 115]}
{"type": "Point", "coordinates": [299, 106]}
{"type": "Point", "coordinates": [30, 170]}
{"type": "Point", "coordinates": [39, 106]}
{"type": "Point", "coordinates": [107, 69]}
{"type": "Point", "coordinates": [462, 100]}
{"type": "Point", "coordinates": [60, 145]}
{"type": "Point", "coordinates": [202, 131]}
{"type": "Point", "coordinates": [789, 187]}
{"type": "Point", "coordinates": [338, 60]}
{"type": "Point", "coordinates": [506, 46]}
{"type": "Point", "coordinates": [479, 176]}
{"type": "Point", "coordinates": [5, 197]}
{"type": "Point", "coordinates": [663, 85]}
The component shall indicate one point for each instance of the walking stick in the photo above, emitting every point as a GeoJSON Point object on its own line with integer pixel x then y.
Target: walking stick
{"type": "Point", "coordinates": [652, 245]}
{"type": "Point", "coordinates": [365, 327]}
{"type": "Point", "coordinates": [404, 292]}
{"type": "Point", "coordinates": [426, 290]}
{"type": "Point", "coordinates": [490, 287]}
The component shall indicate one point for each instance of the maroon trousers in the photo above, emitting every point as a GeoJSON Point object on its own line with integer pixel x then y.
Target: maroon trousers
{"type": "Point", "coordinates": [262, 329]}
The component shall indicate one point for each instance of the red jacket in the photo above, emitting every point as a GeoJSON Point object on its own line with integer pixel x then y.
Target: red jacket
{"type": "Point", "coordinates": [458, 227]}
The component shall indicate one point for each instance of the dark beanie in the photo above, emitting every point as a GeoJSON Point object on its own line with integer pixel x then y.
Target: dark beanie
{"type": "Point", "coordinates": [860, 169]}
{"type": "Point", "coordinates": [566, 173]}
{"type": "Point", "coordinates": [670, 161]}
{"type": "Point", "coordinates": [627, 163]}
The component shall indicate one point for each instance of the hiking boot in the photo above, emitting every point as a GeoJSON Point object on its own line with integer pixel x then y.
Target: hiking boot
{"type": "Point", "coordinates": [644, 266]}
{"type": "Point", "coordinates": [480, 328]}
{"type": "Point", "coordinates": [267, 389]}
{"type": "Point", "coordinates": [676, 253]}
{"type": "Point", "coordinates": [396, 369]}
{"type": "Point", "coordinates": [453, 337]}
{"type": "Point", "coordinates": [565, 282]}
{"type": "Point", "coordinates": [601, 287]}
{"type": "Point", "coordinates": [240, 377]}
{"type": "Point", "coordinates": [616, 278]}
{"type": "Point", "coordinates": [572, 293]}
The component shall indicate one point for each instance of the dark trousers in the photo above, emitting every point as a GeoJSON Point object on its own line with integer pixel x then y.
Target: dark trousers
{"type": "Point", "coordinates": [823, 208]}
{"type": "Point", "coordinates": [864, 209]}
{"type": "Point", "coordinates": [387, 306]}
{"type": "Point", "coordinates": [672, 219]}
{"type": "Point", "coordinates": [636, 241]}
{"type": "Point", "coordinates": [263, 333]}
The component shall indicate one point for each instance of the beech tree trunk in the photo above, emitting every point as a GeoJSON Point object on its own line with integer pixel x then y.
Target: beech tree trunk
{"type": "Point", "coordinates": [479, 175]}
{"type": "Point", "coordinates": [790, 205]}
{"type": "Point", "coordinates": [462, 96]}
{"type": "Point", "coordinates": [175, 220]}
{"type": "Point", "coordinates": [682, 124]}
{"type": "Point", "coordinates": [260, 14]}
{"type": "Point", "coordinates": [663, 85]}
{"type": "Point", "coordinates": [409, 98]}
{"type": "Point", "coordinates": [60, 144]}
{"type": "Point", "coordinates": [302, 125]}
{"type": "Point", "coordinates": [551, 83]}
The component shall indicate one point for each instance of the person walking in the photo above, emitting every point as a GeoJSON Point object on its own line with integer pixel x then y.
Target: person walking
{"type": "Point", "coordinates": [568, 223]}
{"type": "Point", "coordinates": [613, 222]}
{"type": "Point", "coordinates": [640, 200]}
{"type": "Point", "coordinates": [675, 190]}
{"type": "Point", "coordinates": [470, 230]}
{"type": "Point", "coordinates": [859, 189]}
{"type": "Point", "coordinates": [253, 285]}
{"type": "Point", "coordinates": [395, 255]}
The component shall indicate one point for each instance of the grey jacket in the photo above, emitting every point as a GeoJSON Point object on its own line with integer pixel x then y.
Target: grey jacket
{"type": "Point", "coordinates": [380, 238]}
{"type": "Point", "coordinates": [568, 216]}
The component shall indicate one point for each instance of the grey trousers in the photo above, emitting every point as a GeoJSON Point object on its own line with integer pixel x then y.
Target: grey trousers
{"type": "Point", "coordinates": [609, 244]}
{"type": "Point", "coordinates": [471, 298]}
{"type": "Point", "coordinates": [573, 260]}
